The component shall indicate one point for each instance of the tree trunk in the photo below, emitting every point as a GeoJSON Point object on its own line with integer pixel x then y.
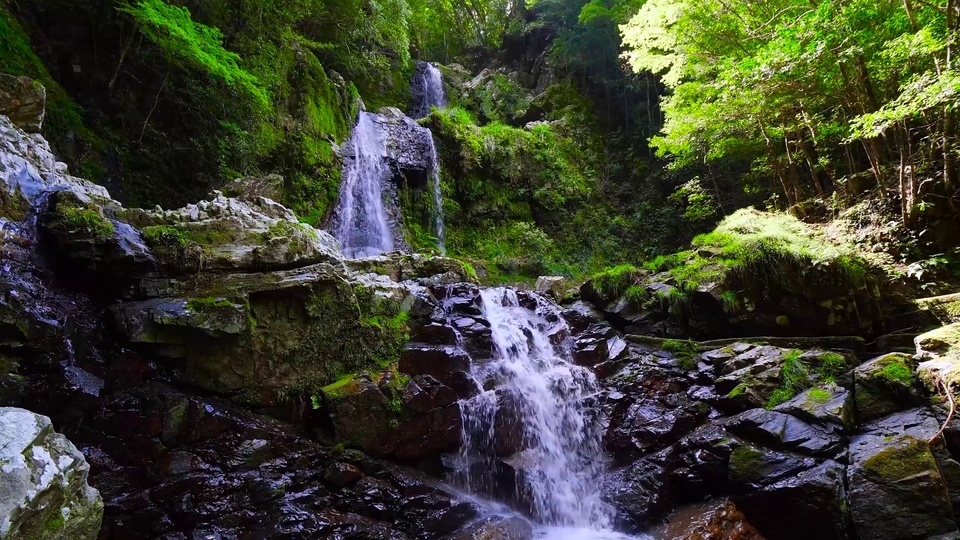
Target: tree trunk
{"type": "Point", "coordinates": [123, 56]}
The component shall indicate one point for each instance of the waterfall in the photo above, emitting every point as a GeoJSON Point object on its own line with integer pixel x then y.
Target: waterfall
{"type": "Point", "coordinates": [429, 93]}
{"type": "Point", "coordinates": [428, 90]}
{"type": "Point", "coordinates": [437, 198]}
{"type": "Point", "coordinates": [361, 221]}
{"type": "Point", "coordinates": [548, 408]}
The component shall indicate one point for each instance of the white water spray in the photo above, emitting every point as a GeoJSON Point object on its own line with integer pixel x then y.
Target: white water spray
{"type": "Point", "coordinates": [361, 222]}
{"type": "Point", "coordinates": [560, 460]}
{"type": "Point", "coordinates": [434, 93]}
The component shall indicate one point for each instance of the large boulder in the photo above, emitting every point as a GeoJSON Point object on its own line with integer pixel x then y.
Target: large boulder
{"type": "Point", "coordinates": [885, 385]}
{"type": "Point", "coordinates": [262, 338]}
{"type": "Point", "coordinates": [392, 414]}
{"type": "Point", "coordinates": [43, 482]}
{"type": "Point", "coordinates": [811, 504]}
{"type": "Point", "coordinates": [761, 273]}
{"type": "Point", "coordinates": [896, 489]}
{"type": "Point", "coordinates": [252, 233]}
{"type": "Point", "coordinates": [23, 101]}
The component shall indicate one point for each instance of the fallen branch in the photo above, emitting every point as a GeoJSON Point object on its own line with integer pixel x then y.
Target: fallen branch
{"type": "Point", "coordinates": [941, 383]}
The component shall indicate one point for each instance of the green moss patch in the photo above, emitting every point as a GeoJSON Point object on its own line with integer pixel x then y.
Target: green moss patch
{"type": "Point", "coordinates": [906, 457]}
{"type": "Point", "coordinates": [84, 221]}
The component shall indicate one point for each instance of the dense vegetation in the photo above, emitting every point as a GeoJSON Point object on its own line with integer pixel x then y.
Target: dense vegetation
{"type": "Point", "coordinates": [558, 157]}
{"type": "Point", "coordinates": [811, 94]}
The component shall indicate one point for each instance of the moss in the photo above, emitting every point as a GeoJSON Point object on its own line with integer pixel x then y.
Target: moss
{"type": "Point", "coordinates": [687, 352]}
{"type": "Point", "coordinates": [819, 395]}
{"type": "Point", "coordinates": [86, 221]}
{"type": "Point", "coordinates": [779, 396]}
{"type": "Point", "coordinates": [56, 522]}
{"type": "Point", "coordinates": [760, 247]}
{"type": "Point", "coordinates": [199, 304]}
{"type": "Point", "coordinates": [165, 236]}
{"type": "Point", "coordinates": [636, 295]}
{"type": "Point", "coordinates": [897, 373]}
{"type": "Point", "coordinates": [344, 386]}
{"type": "Point", "coordinates": [13, 206]}
{"type": "Point", "coordinates": [831, 365]}
{"type": "Point", "coordinates": [737, 391]}
{"type": "Point", "coordinates": [745, 463]}
{"type": "Point", "coordinates": [616, 281]}
{"type": "Point", "coordinates": [906, 457]}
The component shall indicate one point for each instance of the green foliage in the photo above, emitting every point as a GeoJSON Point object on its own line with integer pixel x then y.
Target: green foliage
{"type": "Point", "coordinates": [181, 38]}
{"type": "Point", "coordinates": [165, 236]}
{"type": "Point", "coordinates": [523, 200]}
{"type": "Point", "coordinates": [85, 221]}
{"type": "Point", "coordinates": [687, 352]}
{"type": "Point", "coordinates": [615, 281]}
{"type": "Point", "coordinates": [788, 87]}
{"type": "Point", "coordinates": [794, 378]}
{"type": "Point", "coordinates": [831, 365]}
{"type": "Point", "coordinates": [63, 119]}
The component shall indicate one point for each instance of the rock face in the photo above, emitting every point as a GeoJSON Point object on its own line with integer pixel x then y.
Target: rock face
{"type": "Point", "coordinates": [849, 452]}
{"type": "Point", "coordinates": [23, 101]}
{"type": "Point", "coordinates": [44, 493]}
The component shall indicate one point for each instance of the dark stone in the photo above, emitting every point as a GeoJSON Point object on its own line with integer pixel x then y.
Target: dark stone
{"type": "Point", "coordinates": [896, 489]}
{"type": "Point", "coordinates": [808, 505]}
{"type": "Point", "coordinates": [438, 361]}
{"type": "Point", "coordinates": [496, 528]}
{"type": "Point", "coordinates": [785, 432]}
{"type": "Point", "coordinates": [342, 474]}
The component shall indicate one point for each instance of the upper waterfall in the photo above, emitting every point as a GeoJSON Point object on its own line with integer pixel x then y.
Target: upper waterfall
{"type": "Point", "coordinates": [361, 224]}
{"type": "Point", "coordinates": [427, 89]}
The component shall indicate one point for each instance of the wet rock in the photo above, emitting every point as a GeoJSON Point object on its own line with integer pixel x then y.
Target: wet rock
{"type": "Point", "coordinates": [884, 385]}
{"type": "Point", "coordinates": [640, 492]}
{"type": "Point", "coordinates": [896, 489]}
{"type": "Point", "coordinates": [251, 234]}
{"type": "Point", "coordinates": [435, 334]}
{"type": "Point", "coordinates": [825, 404]}
{"type": "Point", "coordinates": [23, 101]}
{"type": "Point", "coordinates": [714, 520]}
{"type": "Point", "coordinates": [255, 337]}
{"type": "Point", "coordinates": [407, 143]}
{"type": "Point", "coordinates": [810, 504]}
{"type": "Point", "coordinates": [782, 431]}
{"type": "Point", "coordinates": [581, 315]}
{"type": "Point", "coordinates": [45, 493]}
{"type": "Point", "coordinates": [751, 467]}
{"type": "Point", "coordinates": [939, 352]}
{"type": "Point", "coordinates": [386, 415]}
{"type": "Point", "coordinates": [342, 474]}
{"type": "Point", "coordinates": [428, 270]}
{"type": "Point", "coordinates": [441, 362]}
{"type": "Point", "coordinates": [251, 477]}
{"type": "Point", "coordinates": [496, 528]}
{"type": "Point", "coordinates": [28, 169]}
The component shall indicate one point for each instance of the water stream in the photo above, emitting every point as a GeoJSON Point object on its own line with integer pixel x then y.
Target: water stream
{"type": "Point", "coordinates": [433, 95]}
{"type": "Point", "coordinates": [545, 405]}
{"type": "Point", "coordinates": [361, 222]}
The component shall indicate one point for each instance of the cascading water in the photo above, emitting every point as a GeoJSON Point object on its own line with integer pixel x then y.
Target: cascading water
{"type": "Point", "coordinates": [554, 422]}
{"type": "Point", "coordinates": [432, 94]}
{"type": "Point", "coordinates": [437, 199]}
{"type": "Point", "coordinates": [361, 222]}
{"type": "Point", "coordinates": [430, 89]}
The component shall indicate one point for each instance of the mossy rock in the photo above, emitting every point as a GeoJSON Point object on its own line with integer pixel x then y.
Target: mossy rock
{"type": "Point", "coordinates": [884, 385]}
{"type": "Point", "coordinates": [264, 338]}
